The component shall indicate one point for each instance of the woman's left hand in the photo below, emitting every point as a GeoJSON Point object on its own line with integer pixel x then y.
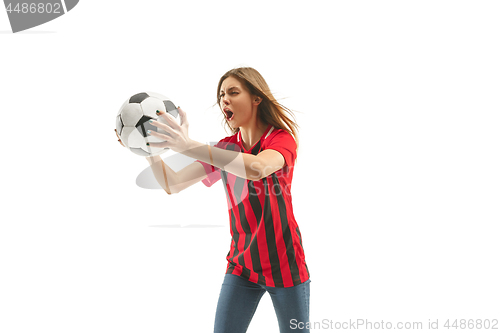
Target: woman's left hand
{"type": "Point", "coordinates": [178, 139]}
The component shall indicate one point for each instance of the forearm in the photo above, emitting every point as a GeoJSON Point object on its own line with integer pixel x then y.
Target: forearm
{"type": "Point", "coordinates": [239, 164]}
{"type": "Point", "coordinates": [165, 176]}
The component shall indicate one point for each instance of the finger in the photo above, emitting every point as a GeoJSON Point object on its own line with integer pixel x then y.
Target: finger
{"type": "Point", "coordinates": [183, 116]}
{"type": "Point", "coordinates": [159, 135]}
{"type": "Point", "coordinates": [168, 118]}
{"type": "Point", "coordinates": [119, 140]}
{"type": "Point", "coordinates": [162, 126]}
{"type": "Point", "coordinates": [158, 144]}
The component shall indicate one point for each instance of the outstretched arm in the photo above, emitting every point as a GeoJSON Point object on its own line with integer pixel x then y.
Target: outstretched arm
{"type": "Point", "coordinates": [168, 179]}
{"type": "Point", "coordinates": [242, 165]}
{"type": "Point", "coordinates": [248, 166]}
{"type": "Point", "coordinates": [174, 182]}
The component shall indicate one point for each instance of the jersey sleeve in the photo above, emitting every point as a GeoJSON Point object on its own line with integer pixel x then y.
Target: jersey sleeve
{"type": "Point", "coordinates": [284, 143]}
{"type": "Point", "coordinates": [213, 174]}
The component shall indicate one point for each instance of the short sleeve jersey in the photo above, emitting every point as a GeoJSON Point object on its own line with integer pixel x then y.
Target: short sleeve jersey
{"type": "Point", "coordinates": [266, 243]}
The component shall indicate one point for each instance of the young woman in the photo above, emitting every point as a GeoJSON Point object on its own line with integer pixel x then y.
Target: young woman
{"type": "Point", "coordinates": [256, 166]}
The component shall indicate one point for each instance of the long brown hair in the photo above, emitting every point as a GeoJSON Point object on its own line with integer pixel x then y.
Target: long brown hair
{"type": "Point", "coordinates": [269, 110]}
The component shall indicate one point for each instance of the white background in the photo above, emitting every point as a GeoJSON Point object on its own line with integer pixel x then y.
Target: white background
{"type": "Point", "coordinates": [396, 190]}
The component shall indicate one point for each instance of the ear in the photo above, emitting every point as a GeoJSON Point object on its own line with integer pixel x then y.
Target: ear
{"type": "Point", "coordinates": [257, 100]}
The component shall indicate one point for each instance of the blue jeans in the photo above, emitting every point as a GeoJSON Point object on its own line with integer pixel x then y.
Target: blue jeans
{"type": "Point", "coordinates": [239, 298]}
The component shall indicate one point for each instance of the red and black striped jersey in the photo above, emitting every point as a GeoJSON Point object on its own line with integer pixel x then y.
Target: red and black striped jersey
{"type": "Point", "coordinates": [266, 244]}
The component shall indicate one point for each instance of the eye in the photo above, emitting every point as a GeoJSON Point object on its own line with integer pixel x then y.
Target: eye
{"type": "Point", "coordinates": [230, 93]}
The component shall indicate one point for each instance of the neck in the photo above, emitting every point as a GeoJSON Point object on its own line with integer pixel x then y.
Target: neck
{"type": "Point", "coordinates": [252, 133]}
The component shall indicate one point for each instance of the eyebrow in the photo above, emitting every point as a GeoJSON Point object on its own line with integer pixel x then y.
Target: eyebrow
{"type": "Point", "coordinates": [231, 88]}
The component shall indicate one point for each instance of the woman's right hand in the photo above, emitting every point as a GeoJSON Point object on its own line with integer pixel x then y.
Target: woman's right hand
{"type": "Point", "coordinates": [119, 140]}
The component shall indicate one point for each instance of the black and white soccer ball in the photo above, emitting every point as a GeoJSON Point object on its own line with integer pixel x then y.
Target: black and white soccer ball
{"type": "Point", "coordinates": [132, 121]}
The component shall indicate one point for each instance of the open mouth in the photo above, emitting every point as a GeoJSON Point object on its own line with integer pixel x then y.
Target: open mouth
{"type": "Point", "coordinates": [229, 114]}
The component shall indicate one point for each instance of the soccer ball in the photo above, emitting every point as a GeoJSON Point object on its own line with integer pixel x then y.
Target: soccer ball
{"type": "Point", "coordinates": [132, 122]}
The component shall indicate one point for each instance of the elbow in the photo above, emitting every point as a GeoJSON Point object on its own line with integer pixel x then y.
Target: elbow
{"type": "Point", "coordinates": [173, 189]}
{"type": "Point", "coordinates": [255, 172]}
{"type": "Point", "coordinates": [257, 177]}
{"type": "Point", "coordinates": [258, 171]}
{"type": "Point", "coordinates": [170, 191]}
{"type": "Point", "coordinates": [174, 186]}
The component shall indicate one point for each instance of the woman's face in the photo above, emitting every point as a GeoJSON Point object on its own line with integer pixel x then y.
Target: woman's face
{"type": "Point", "coordinates": [238, 105]}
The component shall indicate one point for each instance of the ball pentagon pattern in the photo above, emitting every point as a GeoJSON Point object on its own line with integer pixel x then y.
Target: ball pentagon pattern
{"type": "Point", "coordinates": [132, 121]}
